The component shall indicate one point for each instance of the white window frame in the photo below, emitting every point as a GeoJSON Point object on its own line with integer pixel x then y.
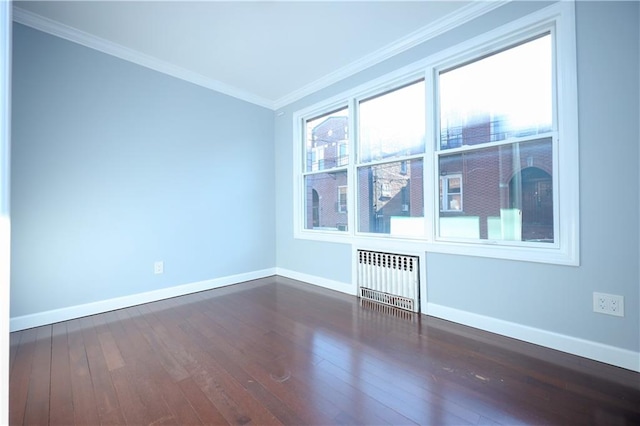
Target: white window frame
{"type": "Point", "coordinates": [471, 55]}
{"type": "Point", "coordinates": [300, 172]}
{"type": "Point", "coordinates": [395, 83]}
{"type": "Point", "coordinates": [558, 18]}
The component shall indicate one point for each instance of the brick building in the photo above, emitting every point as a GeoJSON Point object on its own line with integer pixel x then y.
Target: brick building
{"type": "Point", "coordinates": [488, 184]}
{"type": "Point", "coordinates": [326, 197]}
{"type": "Point", "coordinates": [478, 189]}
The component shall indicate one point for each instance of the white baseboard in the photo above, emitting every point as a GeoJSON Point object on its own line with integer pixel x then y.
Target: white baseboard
{"type": "Point", "coordinates": [78, 311]}
{"type": "Point", "coordinates": [585, 348]}
{"type": "Point", "coordinates": [319, 281]}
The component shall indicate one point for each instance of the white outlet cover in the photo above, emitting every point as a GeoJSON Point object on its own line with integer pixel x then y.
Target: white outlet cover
{"type": "Point", "coordinates": [158, 267]}
{"type": "Point", "coordinates": [610, 304]}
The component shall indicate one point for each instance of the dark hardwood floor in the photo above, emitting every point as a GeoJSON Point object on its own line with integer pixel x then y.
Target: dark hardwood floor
{"type": "Point", "coordinates": [275, 351]}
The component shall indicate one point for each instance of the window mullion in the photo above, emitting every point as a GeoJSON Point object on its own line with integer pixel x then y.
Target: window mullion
{"type": "Point", "coordinates": [330, 170]}
{"type": "Point", "coordinates": [506, 142]}
{"type": "Point", "coordinates": [430, 169]}
{"type": "Point", "coordinates": [352, 192]}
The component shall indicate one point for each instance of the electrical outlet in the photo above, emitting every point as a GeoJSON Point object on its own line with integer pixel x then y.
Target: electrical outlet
{"type": "Point", "coordinates": [610, 304]}
{"type": "Point", "coordinates": [158, 267]}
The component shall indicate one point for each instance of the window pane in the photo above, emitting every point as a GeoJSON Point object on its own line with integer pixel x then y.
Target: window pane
{"type": "Point", "coordinates": [392, 124]}
{"type": "Point", "coordinates": [508, 94]}
{"type": "Point", "coordinates": [506, 193]}
{"type": "Point", "coordinates": [324, 208]}
{"type": "Point", "coordinates": [390, 198]}
{"type": "Point", "coordinates": [327, 141]}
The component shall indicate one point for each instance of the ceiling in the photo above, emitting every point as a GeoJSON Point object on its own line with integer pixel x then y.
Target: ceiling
{"type": "Point", "coordinates": [267, 52]}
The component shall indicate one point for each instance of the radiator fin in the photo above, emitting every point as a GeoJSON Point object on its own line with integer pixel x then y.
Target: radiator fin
{"type": "Point", "coordinates": [388, 278]}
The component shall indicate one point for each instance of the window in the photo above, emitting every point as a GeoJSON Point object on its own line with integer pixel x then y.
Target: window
{"type": "Point", "coordinates": [342, 199]}
{"type": "Point", "coordinates": [325, 171]}
{"type": "Point", "coordinates": [451, 193]}
{"type": "Point", "coordinates": [389, 171]}
{"type": "Point", "coordinates": [343, 153]}
{"type": "Point", "coordinates": [458, 153]}
{"type": "Point", "coordinates": [499, 109]}
{"type": "Point", "coordinates": [389, 200]}
{"type": "Point", "coordinates": [317, 158]}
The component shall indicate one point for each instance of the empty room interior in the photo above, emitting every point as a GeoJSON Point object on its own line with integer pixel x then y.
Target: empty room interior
{"type": "Point", "coordinates": [271, 212]}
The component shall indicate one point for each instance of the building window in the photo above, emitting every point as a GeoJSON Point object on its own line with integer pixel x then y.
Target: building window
{"type": "Point", "coordinates": [458, 153]}
{"type": "Point", "coordinates": [451, 193]}
{"type": "Point", "coordinates": [342, 199]}
{"type": "Point", "coordinates": [343, 153]}
{"type": "Point", "coordinates": [317, 158]}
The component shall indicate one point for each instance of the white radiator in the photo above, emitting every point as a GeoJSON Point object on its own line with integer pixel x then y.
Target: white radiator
{"type": "Point", "coordinates": [392, 279]}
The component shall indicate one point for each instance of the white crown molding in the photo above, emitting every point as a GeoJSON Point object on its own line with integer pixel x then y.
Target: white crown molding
{"type": "Point", "coordinates": [66, 32]}
{"type": "Point", "coordinates": [447, 23]}
{"type": "Point", "coordinates": [455, 19]}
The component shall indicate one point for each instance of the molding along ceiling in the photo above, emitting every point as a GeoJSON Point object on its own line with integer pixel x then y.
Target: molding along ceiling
{"type": "Point", "coordinates": [266, 53]}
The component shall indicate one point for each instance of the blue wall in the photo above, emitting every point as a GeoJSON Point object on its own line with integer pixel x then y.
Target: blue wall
{"type": "Point", "coordinates": [535, 299]}
{"type": "Point", "coordinates": [115, 166]}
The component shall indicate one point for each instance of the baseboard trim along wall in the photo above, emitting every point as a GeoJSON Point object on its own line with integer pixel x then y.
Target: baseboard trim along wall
{"type": "Point", "coordinates": [585, 348]}
{"type": "Point", "coordinates": [319, 281]}
{"type": "Point", "coordinates": [78, 311]}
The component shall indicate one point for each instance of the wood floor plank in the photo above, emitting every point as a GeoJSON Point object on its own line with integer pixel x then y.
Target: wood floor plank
{"type": "Point", "coordinates": [207, 411]}
{"type": "Point", "coordinates": [253, 385]}
{"type": "Point", "coordinates": [144, 371]}
{"type": "Point", "coordinates": [61, 398]}
{"type": "Point", "coordinates": [180, 406]}
{"type": "Point", "coordinates": [277, 351]}
{"type": "Point", "coordinates": [230, 398]}
{"type": "Point", "coordinates": [14, 342]}
{"type": "Point", "coordinates": [339, 356]}
{"type": "Point", "coordinates": [103, 389]}
{"type": "Point", "coordinates": [20, 374]}
{"type": "Point", "coordinates": [85, 409]}
{"type": "Point", "coordinates": [133, 409]}
{"type": "Point", "coordinates": [182, 411]}
{"type": "Point", "coordinates": [370, 412]}
{"type": "Point", "coordinates": [417, 407]}
{"type": "Point", "coordinates": [37, 408]}
{"type": "Point", "coordinates": [161, 350]}
{"type": "Point", "coordinates": [254, 374]}
{"type": "Point", "coordinates": [110, 349]}
{"type": "Point", "coordinates": [354, 400]}
{"type": "Point", "coordinates": [134, 382]}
